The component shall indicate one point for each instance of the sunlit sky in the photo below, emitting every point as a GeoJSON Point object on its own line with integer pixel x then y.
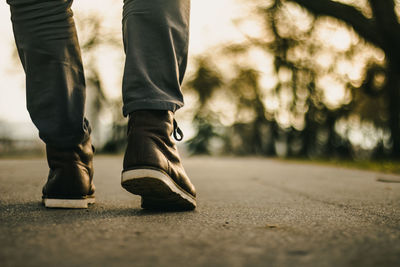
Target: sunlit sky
{"type": "Point", "coordinates": [211, 23]}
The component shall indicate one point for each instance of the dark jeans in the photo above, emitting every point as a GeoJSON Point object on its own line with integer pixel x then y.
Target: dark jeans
{"type": "Point", "coordinates": [155, 36]}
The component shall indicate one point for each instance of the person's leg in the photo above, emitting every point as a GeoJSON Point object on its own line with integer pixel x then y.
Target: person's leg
{"type": "Point", "coordinates": [49, 51]}
{"type": "Point", "coordinates": [156, 45]}
{"type": "Point", "coordinates": [48, 47]}
{"type": "Point", "coordinates": [156, 34]}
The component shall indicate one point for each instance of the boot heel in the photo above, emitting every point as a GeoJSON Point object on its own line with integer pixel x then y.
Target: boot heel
{"type": "Point", "coordinates": [68, 203]}
{"type": "Point", "coordinates": [157, 189]}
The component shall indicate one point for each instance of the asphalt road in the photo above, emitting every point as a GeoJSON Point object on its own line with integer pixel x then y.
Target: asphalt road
{"type": "Point", "coordinates": [251, 212]}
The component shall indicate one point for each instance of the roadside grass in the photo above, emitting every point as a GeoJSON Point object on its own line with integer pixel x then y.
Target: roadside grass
{"type": "Point", "coordinates": [385, 166]}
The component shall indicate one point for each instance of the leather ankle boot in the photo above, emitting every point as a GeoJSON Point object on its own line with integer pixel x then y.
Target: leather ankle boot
{"type": "Point", "coordinates": [70, 180]}
{"type": "Point", "coordinates": [152, 167]}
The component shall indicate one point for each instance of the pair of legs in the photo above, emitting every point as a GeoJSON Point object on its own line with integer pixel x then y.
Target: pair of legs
{"type": "Point", "coordinates": [155, 34]}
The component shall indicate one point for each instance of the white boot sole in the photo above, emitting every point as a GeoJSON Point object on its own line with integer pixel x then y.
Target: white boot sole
{"type": "Point", "coordinates": [157, 189]}
{"type": "Point", "coordinates": [68, 203]}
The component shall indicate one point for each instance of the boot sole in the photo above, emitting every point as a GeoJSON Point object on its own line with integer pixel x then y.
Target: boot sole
{"type": "Point", "coordinates": [158, 190]}
{"type": "Point", "coordinates": [68, 203]}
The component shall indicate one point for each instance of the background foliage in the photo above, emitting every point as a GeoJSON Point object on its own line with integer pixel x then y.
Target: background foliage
{"type": "Point", "coordinates": [317, 79]}
{"type": "Point", "coordinates": [312, 79]}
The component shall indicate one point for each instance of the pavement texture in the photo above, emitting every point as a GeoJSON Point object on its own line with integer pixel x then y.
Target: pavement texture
{"type": "Point", "coordinates": [251, 212]}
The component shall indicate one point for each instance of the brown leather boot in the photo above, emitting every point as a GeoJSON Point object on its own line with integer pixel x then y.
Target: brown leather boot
{"type": "Point", "coordinates": [152, 166]}
{"type": "Point", "coordinates": [70, 180]}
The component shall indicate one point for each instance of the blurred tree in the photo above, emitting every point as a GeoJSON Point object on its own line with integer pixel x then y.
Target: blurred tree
{"type": "Point", "coordinates": [116, 142]}
{"type": "Point", "coordinates": [295, 50]}
{"type": "Point", "coordinates": [302, 123]}
{"type": "Point", "coordinates": [319, 82]}
{"type": "Point", "coordinates": [381, 29]}
{"type": "Point", "coordinates": [204, 82]}
{"type": "Point", "coordinates": [252, 132]}
{"type": "Point", "coordinates": [93, 38]}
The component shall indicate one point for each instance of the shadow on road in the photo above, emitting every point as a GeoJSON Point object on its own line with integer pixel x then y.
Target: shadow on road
{"type": "Point", "coordinates": [34, 211]}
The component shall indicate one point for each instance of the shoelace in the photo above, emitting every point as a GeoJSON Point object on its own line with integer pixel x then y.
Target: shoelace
{"type": "Point", "coordinates": [177, 131]}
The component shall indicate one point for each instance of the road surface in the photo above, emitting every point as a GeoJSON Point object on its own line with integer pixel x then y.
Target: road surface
{"type": "Point", "coordinates": [251, 212]}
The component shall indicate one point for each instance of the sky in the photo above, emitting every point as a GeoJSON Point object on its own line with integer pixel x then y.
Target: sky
{"type": "Point", "coordinates": [211, 23]}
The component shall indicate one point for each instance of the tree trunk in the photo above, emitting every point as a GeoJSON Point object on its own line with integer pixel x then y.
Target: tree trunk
{"type": "Point", "coordinates": [393, 85]}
